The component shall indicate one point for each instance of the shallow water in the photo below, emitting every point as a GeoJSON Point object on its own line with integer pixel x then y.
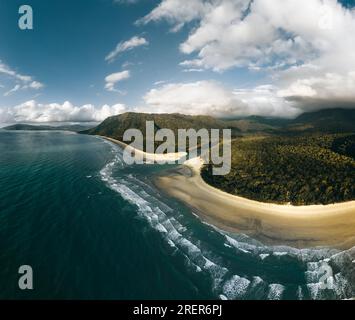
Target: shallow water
{"type": "Point", "coordinates": [94, 228]}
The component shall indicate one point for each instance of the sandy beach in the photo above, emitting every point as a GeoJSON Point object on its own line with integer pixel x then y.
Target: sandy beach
{"type": "Point", "coordinates": [298, 226]}
{"type": "Point", "coordinates": [148, 157]}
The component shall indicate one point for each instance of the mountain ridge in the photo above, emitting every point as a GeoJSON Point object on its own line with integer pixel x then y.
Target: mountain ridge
{"type": "Point", "coordinates": [335, 120]}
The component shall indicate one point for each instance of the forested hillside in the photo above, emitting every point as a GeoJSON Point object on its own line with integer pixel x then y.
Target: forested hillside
{"type": "Point", "coordinates": [303, 170]}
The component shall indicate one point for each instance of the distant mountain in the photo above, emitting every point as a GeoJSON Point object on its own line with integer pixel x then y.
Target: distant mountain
{"type": "Point", "coordinates": [250, 125]}
{"type": "Point", "coordinates": [270, 121]}
{"type": "Point", "coordinates": [327, 120]}
{"type": "Point", "coordinates": [258, 123]}
{"type": "Point", "coordinates": [336, 120]}
{"type": "Point", "coordinates": [115, 126]}
{"type": "Point", "coordinates": [28, 127]}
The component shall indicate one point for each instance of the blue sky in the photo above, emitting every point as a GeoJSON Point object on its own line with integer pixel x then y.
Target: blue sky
{"type": "Point", "coordinates": [232, 73]}
{"type": "Point", "coordinates": [70, 40]}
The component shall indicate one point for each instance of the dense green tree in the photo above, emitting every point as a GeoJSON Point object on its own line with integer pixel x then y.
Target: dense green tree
{"type": "Point", "coordinates": [300, 170]}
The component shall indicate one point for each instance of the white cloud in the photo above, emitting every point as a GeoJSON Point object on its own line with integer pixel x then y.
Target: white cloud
{"type": "Point", "coordinates": [127, 64]}
{"type": "Point", "coordinates": [193, 70]}
{"type": "Point", "coordinates": [8, 71]}
{"type": "Point", "coordinates": [113, 78]}
{"type": "Point", "coordinates": [330, 86]}
{"type": "Point", "coordinates": [22, 81]}
{"type": "Point", "coordinates": [32, 111]}
{"type": "Point", "coordinates": [35, 85]}
{"type": "Point", "coordinates": [235, 33]}
{"type": "Point", "coordinates": [160, 82]}
{"type": "Point", "coordinates": [307, 47]}
{"type": "Point", "coordinates": [209, 97]}
{"type": "Point", "coordinates": [11, 91]}
{"type": "Point", "coordinates": [177, 13]}
{"type": "Point", "coordinates": [126, 46]}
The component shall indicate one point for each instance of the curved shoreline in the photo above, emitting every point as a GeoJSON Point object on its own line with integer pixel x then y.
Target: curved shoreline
{"type": "Point", "coordinates": [148, 157]}
{"type": "Point", "coordinates": [299, 226]}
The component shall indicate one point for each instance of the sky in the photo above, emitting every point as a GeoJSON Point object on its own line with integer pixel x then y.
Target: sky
{"type": "Point", "coordinates": [86, 60]}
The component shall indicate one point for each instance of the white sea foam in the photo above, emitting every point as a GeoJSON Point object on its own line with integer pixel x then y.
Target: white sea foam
{"type": "Point", "coordinates": [275, 291]}
{"type": "Point", "coordinates": [264, 256]}
{"type": "Point", "coordinates": [236, 288]}
{"type": "Point", "coordinates": [300, 294]}
{"type": "Point", "coordinates": [280, 254]}
{"type": "Point", "coordinates": [168, 227]}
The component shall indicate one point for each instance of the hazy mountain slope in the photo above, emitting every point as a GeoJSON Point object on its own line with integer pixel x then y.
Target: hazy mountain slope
{"type": "Point", "coordinates": [327, 120]}
{"type": "Point", "coordinates": [20, 126]}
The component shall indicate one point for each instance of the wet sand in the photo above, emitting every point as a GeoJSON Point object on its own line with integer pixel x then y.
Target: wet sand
{"type": "Point", "coordinates": [298, 226]}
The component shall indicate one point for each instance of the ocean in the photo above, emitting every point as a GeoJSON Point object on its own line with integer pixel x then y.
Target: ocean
{"type": "Point", "coordinates": [92, 227]}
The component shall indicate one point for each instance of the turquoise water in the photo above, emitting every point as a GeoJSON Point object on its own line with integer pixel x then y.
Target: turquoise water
{"type": "Point", "coordinates": [92, 227]}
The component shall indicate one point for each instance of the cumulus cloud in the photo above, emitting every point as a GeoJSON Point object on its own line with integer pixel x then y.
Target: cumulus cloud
{"type": "Point", "coordinates": [307, 47]}
{"type": "Point", "coordinates": [245, 33]}
{"type": "Point", "coordinates": [113, 78]}
{"type": "Point", "coordinates": [210, 97]}
{"type": "Point", "coordinates": [22, 81]}
{"type": "Point", "coordinates": [327, 91]}
{"type": "Point", "coordinates": [121, 47]}
{"type": "Point", "coordinates": [32, 111]}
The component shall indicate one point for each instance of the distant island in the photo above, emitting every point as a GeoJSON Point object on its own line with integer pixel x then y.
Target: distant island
{"type": "Point", "coordinates": [303, 161]}
{"type": "Point", "coordinates": [29, 127]}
